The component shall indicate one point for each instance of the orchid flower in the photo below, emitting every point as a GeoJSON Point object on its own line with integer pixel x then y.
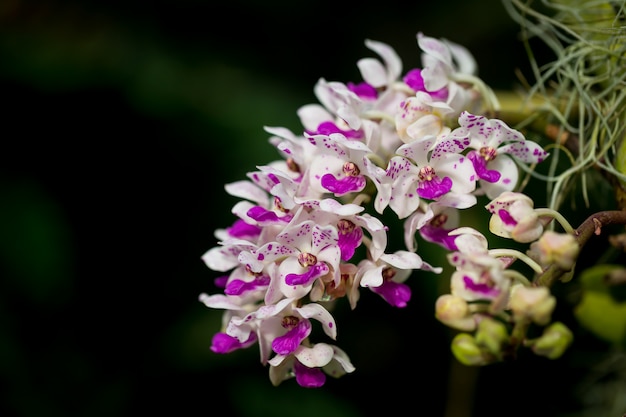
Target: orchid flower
{"type": "Point", "coordinates": [386, 276]}
{"type": "Point", "coordinates": [491, 138]}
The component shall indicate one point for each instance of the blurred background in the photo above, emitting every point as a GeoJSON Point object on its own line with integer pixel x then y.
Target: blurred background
{"type": "Point", "coordinates": [123, 120]}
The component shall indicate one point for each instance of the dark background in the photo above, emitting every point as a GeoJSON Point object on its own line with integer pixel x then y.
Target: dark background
{"type": "Point", "coordinates": [122, 122]}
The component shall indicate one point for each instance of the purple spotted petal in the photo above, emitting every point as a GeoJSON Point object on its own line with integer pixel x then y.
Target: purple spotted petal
{"type": "Point", "coordinates": [527, 151]}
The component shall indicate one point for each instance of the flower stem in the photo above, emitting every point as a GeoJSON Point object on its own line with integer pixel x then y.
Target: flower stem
{"type": "Point", "coordinates": [512, 253]}
{"type": "Point", "coordinates": [591, 226]}
{"type": "Point", "coordinates": [556, 216]}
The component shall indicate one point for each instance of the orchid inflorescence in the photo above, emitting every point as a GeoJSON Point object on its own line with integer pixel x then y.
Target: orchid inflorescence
{"type": "Point", "coordinates": [424, 145]}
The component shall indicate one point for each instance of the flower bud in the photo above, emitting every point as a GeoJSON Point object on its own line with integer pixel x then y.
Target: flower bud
{"type": "Point", "coordinates": [514, 217]}
{"type": "Point", "coordinates": [492, 334]}
{"type": "Point", "coordinates": [559, 248]}
{"type": "Point", "coordinates": [454, 311]}
{"type": "Point", "coordinates": [553, 342]}
{"type": "Point", "coordinates": [534, 303]}
{"type": "Point", "coordinates": [467, 351]}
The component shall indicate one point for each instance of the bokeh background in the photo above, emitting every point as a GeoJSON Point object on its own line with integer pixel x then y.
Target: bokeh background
{"type": "Point", "coordinates": [122, 122]}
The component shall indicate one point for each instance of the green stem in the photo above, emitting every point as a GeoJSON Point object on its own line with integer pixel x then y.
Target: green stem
{"type": "Point", "coordinates": [512, 253]}
{"type": "Point", "coordinates": [556, 216]}
{"type": "Point", "coordinates": [517, 276]}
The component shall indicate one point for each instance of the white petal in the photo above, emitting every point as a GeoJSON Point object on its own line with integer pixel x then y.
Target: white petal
{"type": "Point", "coordinates": [389, 56]}
{"type": "Point", "coordinates": [319, 313]}
{"type": "Point", "coordinates": [403, 259]}
{"type": "Point", "coordinates": [373, 72]}
{"type": "Point", "coordinates": [372, 277]}
{"type": "Point", "coordinates": [248, 190]}
{"type": "Point", "coordinates": [219, 301]}
{"type": "Point", "coordinates": [508, 178]}
{"type": "Point", "coordinates": [342, 358]}
{"type": "Point", "coordinates": [311, 115]}
{"type": "Point", "coordinates": [333, 206]}
{"type": "Point", "coordinates": [316, 357]}
{"type": "Point", "coordinates": [465, 62]}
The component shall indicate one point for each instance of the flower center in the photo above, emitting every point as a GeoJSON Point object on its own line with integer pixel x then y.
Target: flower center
{"type": "Point", "coordinates": [250, 272]}
{"type": "Point", "coordinates": [289, 322]}
{"type": "Point", "coordinates": [345, 227]}
{"type": "Point", "coordinates": [439, 220]}
{"type": "Point", "coordinates": [307, 259]}
{"type": "Point", "coordinates": [488, 153]}
{"type": "Point", "coordinates": [278, 204]}
{"type": "Point", "coordinates": [388, 273]}
{"type": "Point", "coordinates": [351, 170]}
{"type": "Point", "coordinates": [292, 165]}
{"type": "Point", "coordinates": [427, 173]}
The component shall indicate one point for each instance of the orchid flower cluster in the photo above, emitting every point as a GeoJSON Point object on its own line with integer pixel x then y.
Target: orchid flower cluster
{"type": "Point", "coordinates": [309, 231]}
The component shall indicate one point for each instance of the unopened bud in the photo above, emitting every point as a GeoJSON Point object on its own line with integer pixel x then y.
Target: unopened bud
{"type": "Point", "coordinates": [534, 303]}
{"type": "Point", "coordinates": [514, 217]}
{"type": "Point", "coordinates": [492, 334]}
{"type": "Point", "coordinates": [467, 351]}
{"type": "Point", "coordinates": [558, 248]}
{"type": "Point", "coordinates": [453, 311]}
{"type": "Point", "coordinates": [553, 342]}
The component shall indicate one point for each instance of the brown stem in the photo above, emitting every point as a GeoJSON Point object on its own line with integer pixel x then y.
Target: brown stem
{"type": "Point", "coordinates": [591, 226]}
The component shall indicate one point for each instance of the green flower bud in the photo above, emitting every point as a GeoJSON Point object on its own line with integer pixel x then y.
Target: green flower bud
{"type": "Point", "coordinates": [555, 339]}
{"type": "Point", "coordinates": [466, 350]}
{"type": "Point", "coordinates": [492, 334]}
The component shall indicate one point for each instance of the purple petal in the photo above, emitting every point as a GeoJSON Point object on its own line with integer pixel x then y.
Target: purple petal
{"type": "Point", "coordinates": [349, 242]}
{"type": "Point", "coordinates": [220, 282]}
{"type": "Point", "coordinates": [223, 343]}
{"type": "Point", "coordinates": [506, 217]}
{"type": "Point", "coordinates": [434, 188]}
{"type": "Point", "coordinates": [344, 186]}
{"type": "Point", "coordinates": [238, 287]}
{"type": "Point", "coordinates": [483, 289]}
{"type": "Point", "coordinates": [316, 271]}
{"type": "Point", "coordinates": [242, 229]}
{"type": "Point", "coordinates": [438, 235]}
{"type": "Point", "coordinates": [289, 342]}
{"type": "Point", "coordinates": [395, 293]}
{"type": "Point", "coordinates": [308, 377]}
{"type": "Point", "coordinates": [262, 215]}
{"type": "Point", "coordinates": [363, 90]}
{"type": "Point", "coordinates": [414, 79]}
{"type": "Point", "coordinates": [480, 166]}
{"type": "Point", "coordinates": [326, 128]}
